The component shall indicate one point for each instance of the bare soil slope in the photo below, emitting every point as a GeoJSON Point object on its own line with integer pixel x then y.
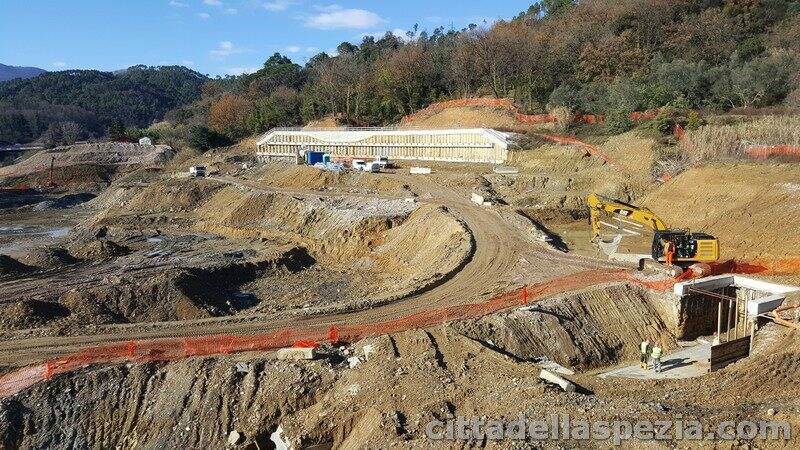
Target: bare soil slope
{"type": "Point", "coordinates": [752, 208]}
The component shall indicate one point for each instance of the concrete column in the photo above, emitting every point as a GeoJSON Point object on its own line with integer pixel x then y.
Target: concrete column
{"type": "Point", "coordinates": [728, 329]}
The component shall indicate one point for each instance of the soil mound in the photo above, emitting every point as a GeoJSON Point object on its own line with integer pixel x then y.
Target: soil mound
{"type": "Point", "coordinates": [31, 314]}
{"type": "Point", "coordinates": [99, 249]}
{"type": "Point", "coordinates": [104, 154]}
{"type": "Point", "coordinates": [48, 258]}
{"type": "Point", "coordinates": [11, 267]}
{"type": "Point", "coordinates": [173, 196]}
{"type": "Point", "coordinates": [464, 117]}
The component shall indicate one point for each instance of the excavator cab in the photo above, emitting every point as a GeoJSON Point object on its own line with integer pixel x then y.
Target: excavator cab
{"type": "Point", "coordinates": [689, 247]}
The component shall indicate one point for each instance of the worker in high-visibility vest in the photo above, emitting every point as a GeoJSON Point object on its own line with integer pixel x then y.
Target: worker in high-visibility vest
{"type": "Point", "coordinates": [656, 355]}
{"type": "Point", "coordinates": [670, 252]}
{"type": "Point", "coordinates": [644, 347]}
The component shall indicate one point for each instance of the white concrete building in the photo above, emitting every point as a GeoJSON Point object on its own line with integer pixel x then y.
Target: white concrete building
{"type": "Point", "coordinates": [482, 145]}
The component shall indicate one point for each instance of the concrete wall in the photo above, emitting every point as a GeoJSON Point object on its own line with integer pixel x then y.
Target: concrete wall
{"type": "Point", "coordinates": [480, 145]}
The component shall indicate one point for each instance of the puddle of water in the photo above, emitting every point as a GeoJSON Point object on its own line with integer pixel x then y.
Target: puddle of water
{"type": "Point", "coordinates": [59, 232]}
{"type": "Point", "coordinates": [154, 240]}
{"type": "Point", "coordinates": [35, 231]}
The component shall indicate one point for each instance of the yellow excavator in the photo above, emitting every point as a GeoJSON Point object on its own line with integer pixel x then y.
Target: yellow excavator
{"type": "Point", "coordinates": [689, 247]}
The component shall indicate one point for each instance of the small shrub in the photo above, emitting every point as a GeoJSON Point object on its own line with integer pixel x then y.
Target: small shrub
{"type": "Point", "coordinates": [203, 139]}
{"type": "Point", "coordinates": [618, 120]}
{"type": "Point", "coordinates": [692, 120]}
{"type": "Point", "coordinates": [563, 118]}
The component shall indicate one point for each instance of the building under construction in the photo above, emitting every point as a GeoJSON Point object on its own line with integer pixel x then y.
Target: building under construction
{"type": "Point", "coordinates": [478, 145]}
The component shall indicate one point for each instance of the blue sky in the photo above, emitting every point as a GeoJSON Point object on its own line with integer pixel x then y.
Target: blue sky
{"type": "Point", "coordinates": [215, 37]}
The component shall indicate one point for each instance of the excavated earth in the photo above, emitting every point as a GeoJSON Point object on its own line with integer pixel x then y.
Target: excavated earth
{"type": "Point", "coordinates": [401, 382]}
{"type": "Point", "coordinates": [149, 253]}
{"type": "Point", "coordinates": [190, 249]}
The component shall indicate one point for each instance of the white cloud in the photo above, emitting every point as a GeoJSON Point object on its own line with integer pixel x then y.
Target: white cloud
{"type": "Point", "coordinates": [226, 48]}
{"type": "Point", "coordinates": [293, 49]}
{"type": "Point", "coordinates": [187, 63]}
{"type": "Point", "coordinates": [212, 2]}
{"type": "Point", "coordinates": [278, 5]}
{"type": "Point", "coordinates": [240, 70]}
{"type": "Point", "coordinates": [312, 50]}
{"type": "Point", "coordinates": [204, 16]}
{"type": "Point", "coordinates": [231, 11]}
{"type": "Point", "coordinates": [177, 4]}
{"type": "Point", "coordinates": [59, 64]}
{"type": "Point", "coordinates": [334, 17]}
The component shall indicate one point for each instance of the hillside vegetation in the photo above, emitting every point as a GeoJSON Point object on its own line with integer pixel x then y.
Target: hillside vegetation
{"type": "Point", "coordinates": [84, 102]}
{"type": "Point", "coordinates": [605, 57]}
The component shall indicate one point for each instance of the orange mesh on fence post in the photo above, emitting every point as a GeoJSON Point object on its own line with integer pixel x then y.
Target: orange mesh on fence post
{"type": "Point", "coordinates": [333, 334]}
{"type": "Point", "coordinates": [524, 295]}
{"type": "Point", "coordinates": [131, 349]}
{"type": "Point", "coordinates": [773, 150]}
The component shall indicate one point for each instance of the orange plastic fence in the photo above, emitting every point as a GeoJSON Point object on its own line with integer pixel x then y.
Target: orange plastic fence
{"type": "Point", "coordinates": [774, 150]}
{"type": "Point", "coordinates": [780, 266]}
{"type": "Point", "coordinates": [569, 140]}
{"type": "Point", "coordinates": [178, 348]}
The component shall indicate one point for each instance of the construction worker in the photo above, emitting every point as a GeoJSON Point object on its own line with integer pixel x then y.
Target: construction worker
{"type": "Point", "coordinates": [645, 349]}
{"type": "Point", "coordinates": [656, 355]}
{"type": "Point", "coordinates": [669, 250]}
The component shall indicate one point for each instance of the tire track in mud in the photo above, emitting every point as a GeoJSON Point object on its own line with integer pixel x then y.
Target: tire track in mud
{"type": "Point", "coordinates": [499, 248]}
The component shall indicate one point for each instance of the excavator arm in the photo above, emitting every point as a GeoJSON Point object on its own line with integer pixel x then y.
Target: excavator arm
{"type": "Point", "coordinates": [598, 204]}
{"type": "Point", "coordinates": [689, 247]}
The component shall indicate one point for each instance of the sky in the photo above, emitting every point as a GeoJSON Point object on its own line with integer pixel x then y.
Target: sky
{"type": "Point", "coordinates": [214, 37]}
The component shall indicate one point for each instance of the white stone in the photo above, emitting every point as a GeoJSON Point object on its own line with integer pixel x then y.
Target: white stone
{"type": "Point", "coordinates": [296, 353]}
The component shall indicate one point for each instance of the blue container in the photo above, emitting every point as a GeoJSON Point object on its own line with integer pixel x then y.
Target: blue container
{"type": "Point", "coordinates": [314, 157]}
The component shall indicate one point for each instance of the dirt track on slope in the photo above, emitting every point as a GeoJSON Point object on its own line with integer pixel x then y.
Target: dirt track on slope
{"type": "Point", "coordinates": [504, 258]}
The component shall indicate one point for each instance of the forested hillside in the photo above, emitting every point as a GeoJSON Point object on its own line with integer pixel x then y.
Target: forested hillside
{"type": "Point", "coordinates": [14, 72]}
{"type": "Point", "coordinates": [596, 56]}
{"type": "Point", "coordinates": [606, 57]}
{"type": "Point", "coordinates": [84, 102]}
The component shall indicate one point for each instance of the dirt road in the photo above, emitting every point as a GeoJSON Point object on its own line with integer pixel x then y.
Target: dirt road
{"type": "Point", "coordinates": [504, 258]}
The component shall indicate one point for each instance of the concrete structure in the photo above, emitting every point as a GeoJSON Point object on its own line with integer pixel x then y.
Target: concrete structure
{"type": "Point", "coordinates": [686, 362]}
{"type": "Point", "coordinates": [760, 296]}
{"type": "Point", "coordinates": [481, 145]}
{"type": "Point", "coordinates": [558, 380]}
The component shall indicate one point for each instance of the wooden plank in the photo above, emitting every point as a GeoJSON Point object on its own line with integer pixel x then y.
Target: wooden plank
{"type": "Point", "coordinates": [729, 352]}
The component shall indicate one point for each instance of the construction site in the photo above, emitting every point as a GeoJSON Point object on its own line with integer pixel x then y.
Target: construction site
{"type": "Point", "coordinates": [345, 288]}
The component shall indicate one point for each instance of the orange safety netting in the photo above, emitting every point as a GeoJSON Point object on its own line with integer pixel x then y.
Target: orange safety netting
{"type": "Point", "coordinates": [178, 348]}
{"type": "Point", "coordinates": [780, 266]}
{"type": "Point", "coordinates": [569, 140]}
{"type": "Point", "coordinates": [773, 150]}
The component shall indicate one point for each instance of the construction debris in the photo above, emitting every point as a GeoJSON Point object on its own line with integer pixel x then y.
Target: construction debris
{"type": "Point", "coordinates": [563, 383]}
